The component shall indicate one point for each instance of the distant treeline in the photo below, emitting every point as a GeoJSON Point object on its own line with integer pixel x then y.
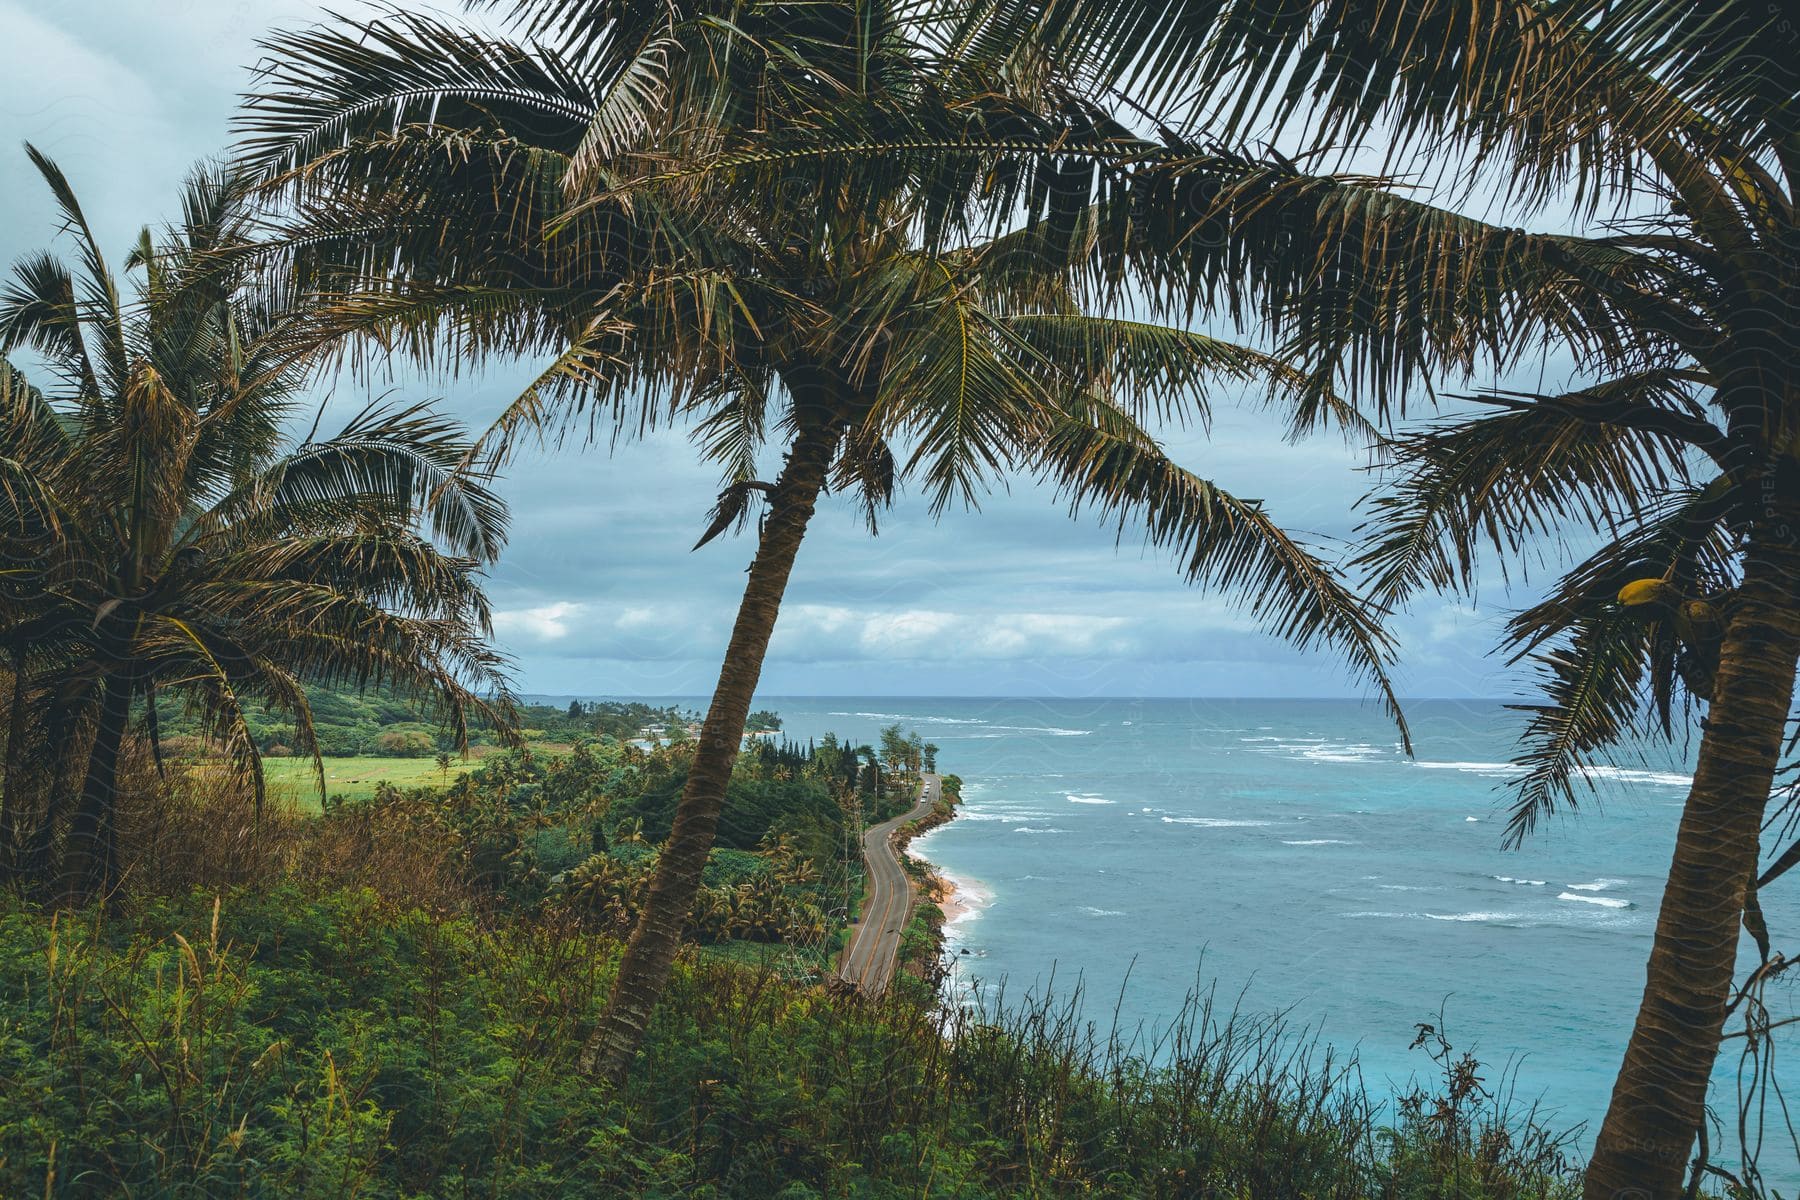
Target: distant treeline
{"type": "Point", "coordinates": [377, 722]}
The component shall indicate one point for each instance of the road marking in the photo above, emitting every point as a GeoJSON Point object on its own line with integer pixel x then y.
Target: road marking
{"type": "Point", "coordinates": [869, 949]}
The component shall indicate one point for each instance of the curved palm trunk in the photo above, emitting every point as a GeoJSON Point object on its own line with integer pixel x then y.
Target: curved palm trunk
{"type": "Point", "coordinates": [1659, 1099]}
{"type": "Point", "coordinates": [644, 971]}
{"type": "Point", "coordinates": [90, 849]}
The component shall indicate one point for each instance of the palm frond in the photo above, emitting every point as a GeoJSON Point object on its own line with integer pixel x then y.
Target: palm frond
{"type": "Point", "coordinates": [1593, 697]}
{"type": "Point", "coordinates": [411, 456]}
{"type": "Point", "coordinates": [1733, 61]}
{"type": "Point", "coordinates": [101, 308]}
{"type": "Point", "coordinates": [207, 677]}
{"type": "Point", "coordinates": [1103, 462]}
{"type": "Point", "coordinates": [1685, 538]}
{"type": "Point", "coordinates": [952, 386]}
{"type": "Point", "coordinates": [1504, 481]}
{"type": "Point", "coordinates": [637, 93]}
{"type": "Point", "coordinates": [323, 86]}
{"type": "Point", "coordinates": [39, 312]}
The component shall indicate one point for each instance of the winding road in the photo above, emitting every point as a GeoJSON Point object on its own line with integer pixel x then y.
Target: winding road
{"type": "Point", "coordinates": [868, 963]}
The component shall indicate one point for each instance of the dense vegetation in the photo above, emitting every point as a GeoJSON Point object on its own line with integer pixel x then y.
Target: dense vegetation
{"type": "Point", "coordinates": [997, 226]}
{"type": "Point", "coordinates": [164, 534]}
{"type": "Point", "coordinates": [377, 1015]}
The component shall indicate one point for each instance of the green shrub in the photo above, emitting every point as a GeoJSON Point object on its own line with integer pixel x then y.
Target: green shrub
{"type": "Point", "coordinates": [406, 743]}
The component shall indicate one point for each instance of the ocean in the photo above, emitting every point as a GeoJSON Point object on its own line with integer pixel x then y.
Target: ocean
{"type": "Point", "coordinates": [1290, 853]}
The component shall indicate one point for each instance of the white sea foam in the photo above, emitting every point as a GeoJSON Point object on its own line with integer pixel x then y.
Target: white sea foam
{"type": "Point", "coordinates": [1404, 887]}
{"type": "Point", "coordinates": [992, 732]}
{"type": "Point", "coordinates": [1602, 901]}
{"type": "Point", "coordinates": [969, 898]}
{"type": "Point", "coordinates": [1049, 730]}
{"type": "Point", "coordinates": [1078, 798]}
{"type": "Point", "coordinates": [1635, 775]}
{"type": "Point", "coordinates": [1500, 770]}
{"type": "Point", "coordinates": [1343, 754]}
{"type": "Point", "coordinates": [1525, 882]}
{"type": "Point", "coordinates": [1325, 751]}
{"type": "Point", "coordinates": [1473, 916]}
{"type": "Point", "coordinates": [1599, 885]}
{"type": "Point", "coordinates": [1484, 770]}
{"type": "Point", "coordinates": [1212, 822]}
{"type": "Point", "coordinates": [1029, 829]}
{"type": "Point", "coordinates": [1091, 911]}
{"type": "Point", "coordinates": [1316, 749]}
{"type": "Point", "coordinates": [927, 720]}
{"type": "Point", "coordinates": [1471, 818]}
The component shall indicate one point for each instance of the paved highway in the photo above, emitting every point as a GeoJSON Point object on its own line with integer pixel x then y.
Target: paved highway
{"type": "Point", "coordinates": [868, 963]}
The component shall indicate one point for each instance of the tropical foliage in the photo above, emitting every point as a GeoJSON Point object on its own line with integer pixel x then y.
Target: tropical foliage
{"type": "Point", "coordinates": [596, 193]}
{"type": "Point", "coordinates": [581, 831]}
{"type": "Point", "coordinates": [937, 246]}
{"type": "Point", "coordinates": [387, 1007]}
{"type": "Point", "coordinates": [161, 535]}
{"type": "Point", "coordinates": [777, 900]}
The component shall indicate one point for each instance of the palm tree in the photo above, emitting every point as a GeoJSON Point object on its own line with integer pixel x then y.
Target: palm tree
{"type": "Point", "coordinates": [1680, 445]}
{"type": "Point", "coordinates": [596, 194]}
{"type": "Point", "coordinates": [159, 538]}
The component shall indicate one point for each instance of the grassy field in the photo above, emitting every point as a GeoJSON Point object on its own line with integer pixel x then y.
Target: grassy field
{"type": "Point", "coordinates": [355, 778]}
{"type": "Point", "coordinates": [352, 778]}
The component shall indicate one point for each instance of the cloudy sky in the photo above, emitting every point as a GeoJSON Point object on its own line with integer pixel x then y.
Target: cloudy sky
{"type": "Point", "coordinates": [598, 592]}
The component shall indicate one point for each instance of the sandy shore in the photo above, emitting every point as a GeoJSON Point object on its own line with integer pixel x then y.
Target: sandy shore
{"type": "Point", "coordinates": [950, 902]}
{"type": "Point", "coordinates": [959, 898]}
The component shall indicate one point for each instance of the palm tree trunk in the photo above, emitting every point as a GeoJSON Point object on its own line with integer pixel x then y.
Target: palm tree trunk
{"type": "Point", "coordinates": [644, 971]}
{"type": "Point", "coordinates": [12, 784]}
{"type": "Point", "coordinates": [1659, 1099]}
{"type": "Point", "coordinates": [90, 850]}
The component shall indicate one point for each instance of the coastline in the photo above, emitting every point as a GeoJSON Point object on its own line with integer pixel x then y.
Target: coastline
{"type": "Point", "coordinates": [959, 899]}
{"type": "Point", "coordinates": [948, 900]}
{"type": "Point", "coordinates": [948, 893]}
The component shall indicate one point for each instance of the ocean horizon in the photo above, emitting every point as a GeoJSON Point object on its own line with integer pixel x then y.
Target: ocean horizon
{"type": "Point", "coordinates": [1288, 854]}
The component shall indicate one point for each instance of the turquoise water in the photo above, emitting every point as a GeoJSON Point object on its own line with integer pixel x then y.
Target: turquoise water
{"type": "Point", "coordinates": [1288, 849]}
